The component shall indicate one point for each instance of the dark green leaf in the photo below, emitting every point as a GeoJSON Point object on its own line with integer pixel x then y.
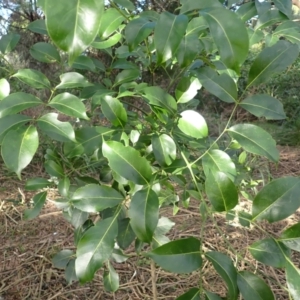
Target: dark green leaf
{"type": "Point", "coordinates": [293, 278]}
{"type": "Point", "coordinates": [277, 200]}
{"type": "Point", "coordinates": [196, 25]}
{"type": "Point", "coordinates": [190, 5]}
{"type": "Point", "coordinates": [143, 213]}
{"type": "Point", "coordinates": [95, 198]}
{"type": "Point", "coordinates": [64, 186]}
{"type": "Point", "coordinates": [168, 33]}
{"type": "Point", "coordinates": [38, 200]}
{"type": "Point", "coordinates": [94, 248]}
{"type": "Point", "coordinates": [192, 294]}
{"type": "Point", "coordinates": [125, 234]}
{"type": "Point", "coordinates": [37, 183]}
{"type": "Point", "coordinates": [8, 42]}
{"type": "Point", "coordinates": [111, 279]}
{"type": "Point", "coordinates": [62, 258]}
{"type": "Point", "coordinates": [53, 169]}
{"type": "Point", "coordinates": [83, 62]}
{"type": "Point", "coordinates": [68, 27]}
{"type": "Point", "coordinates": [270, 252]}
{"type": "Point", "coordinates": [127, 76]}
{"type": "Point", "coordinates": [19, 147]}
{"type": "Point", "coordinates": [17, 102]}
{"type": "Point", "coordinates": [38, 26]}
{"type": "Point", "coordinates": [255, 140]}
{"type": "Point", "coordinates": [69, 105]}
{"type": "Point", "coordinates": [44, 52]}
{"type": "Point", "coordinates": [211, 296]}
{"type": "Point", "coordinates": [72, 80]}
{"type": "Point", "coordinates": [285, 6]}
{"type": "Point", "coordinates": [264, 106]}
{"type": "Point", "coordinates": [180, 256]}
{"type": "Point", "coordinates": [247, 11]}
{"type": "Point", "coordinates": [253, 287]}
{"type": "Point", "coordinates": [127, 162]}
{"type": "Point", "coordinates": [291, 237]}
{"type": "Point", "coordinates": [164, 149]}
{"type": "Point", "coordinates": [269, 18]}
{"type": "Point", "coordinates": [4, 88]}
{"type": "Point", "coordinates": [33, 78]}
{"type": "Point", "coordinates": [125, 3]}
{"type": "Point", "coordinates": [225, 268]}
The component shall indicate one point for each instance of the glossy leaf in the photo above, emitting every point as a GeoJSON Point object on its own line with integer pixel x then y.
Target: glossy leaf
{"type": "Point", "coordinates": [67, 24]}
{"type": "Point", "coordinates": [94, 198]}
{"type": "Point", "coordinates": [179, 256]}
{"type": "Point", "coordinates": [69, 105]}
{"type": "Point", "coordinates": [190, 5]}
{"type": "Point", "coordinates": [83, 62]}
{"type": "Point", "coordinates": [72, 80]}
{"type": "Point", "coordinates": [111, 279]}
{"type": "Point", "coordinates": [193, 124]}
{"type": "Point", "coordinates": [291, 237]}
{"type": "Point", "coordinates": [38, 200]}
{"type": "Point", "coordinates": [59, 131]}
{"type": "Point", "coordinates": [221, 86]}
{"type": "Point", "coordinates": [94, 248]}
{"type": "Point", "coordinates": [64, 186]}
{"type": "Point", "coordinates": [4, 88]}
{"type": "Point", "coordinates": [62, 258]}
{"type": "Point", "coordinates": [143, 213]}
{"type": "Point", "coordinates": [264, 106]}
{"type": "Point", "coordinates": [219, 161]}
{"type": "Point", "coordinates": [196, 25]}
{"type": "Point", "coordinates": [231, 37]}
{"type": "Point", "coordinates": [137, 30]}
{"type": "Point", "coordinates": [36, 183]}
{"type": "Point", "coordinates": [110, 21]}
{"type": "Point", "coordinates": [187, 89]}
{"type": "Point", "coordinates": [126, 76]}
{"type": "Point", "coordinates": [168, 33]}
{"type": "Point", "coordinates": [164, 149]}
{"type": "Point", "coordinates": [272, 60]}
{"type": "Point", "coordinates": [17, 102]}
{"type": "Point", "coordinates": [225, 268]}
{"type": "Point", "coordinates": [255, 140]}
{"type": "Point", "coordinates": [277, 200]}
{"type": "Point", "coordinates": [19, 147]}
{"type": "Point", "coordinates": [253, 287]}
{"type": "Point", "coordinates": [127, 162]}
{"type": "Point", "coordinates": [8, 42]}
{"type": "Point", "coordinates": [44, 52]}
{"type": "Point", "coordinates": [33, 78]}
{"type": "Point", "coordinates": [38, 26]}
{"type": "Point", "coordinates": [270, 252]}
{"type": "Point", "coordinates": [125, 234]}
{"type": "Point", "coordinates": [293, 278]}
{"type": "Point", "coordinates": [54, 169]}
{"type": "Point", "coordinates": [111, 41]}
{"type": "Point", "coordinates": [163, 227]}
{"type": "Point", "coordinates": [192, 294]}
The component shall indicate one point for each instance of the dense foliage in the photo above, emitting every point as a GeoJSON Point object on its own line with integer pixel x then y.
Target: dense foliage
{"type": "Point", "coordinates": [124, 137]}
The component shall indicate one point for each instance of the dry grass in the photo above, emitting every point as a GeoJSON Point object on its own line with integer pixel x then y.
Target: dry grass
{"type": "Point", "coordinates": [26, 249]}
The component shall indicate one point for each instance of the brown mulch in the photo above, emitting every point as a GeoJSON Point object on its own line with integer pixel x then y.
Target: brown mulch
{"type": "Point", "coordinates": [27, 247]}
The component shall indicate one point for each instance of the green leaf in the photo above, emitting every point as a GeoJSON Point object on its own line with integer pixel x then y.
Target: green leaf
{"type": "Point", "coordinates": [38, 200]}
{"type": "Point", "coordinates": [137, 30]}
{"type": "Point", "coordinates": [221, 86]}
{"type": "Point", "coordinates": [62, 258]}
{"type": "Point", "coordinates": [83, 62]}
{"type": "Point", "coordinates": [72, 80]}
{"type": "Point", "coordinates": [38, 26]}
{"type": "Point", "coordinates": [272, 60]}
{"type": "Point", "coordinates": [125, 234]}
{"type": "Point", "coordinates": [70, 274]}
{"type": "Point", "coordinates": [36, 183]}
{"type": "Point", "coordinates": [264, 106]}
{"type": "Point", "coordinates": [247, 11]}
{"type": "Point", "coordinates": [126, 76]}
{"type": "Point", "coordinates": [113, 40]}
{"type": "Point", "coordinates": [127, 162]}
{"type": "Point", "coordinates": [163, 227]}
{"type": "Point", "coordinates": [291, 237]}
{"type": "Point", "coordinates": [216, 160]}
{"type": "Point", "coordinates": [94, 198]}
{"type": "Point", "coordinates": [59, 131]}
{"type": "Point", "coordinates": [143, 213]}
{"type": "Point", "coordinates": [111, 279]}
{"type": "Point", "coordinates": [77, 218]}
{"type": "Point", "coordinates": [44, 52]}
{"type": "Point", "coordinates": [64, 186]}
{"type": "Point", "coordinates": [255, 140]}
{"type": "Point", "coordinates": [270, 252]}
{"type": "Point", "coordinates": [164, 149]}
{"type": "Point", "coordinates": [285, 6]}
{"type": "Point", "coordinates": [159, 97]}
{"type": "Point", "coordinates": [187, 89]}
{"type": "Point", "coordinates": [196, 25]}
{"type": "Point", "coordinates": [231, 37]}
{"type": "Point", "coordinates": [269, 18]}
{"type": "Point", "coordinates": [8, 123]}
{"type": "Point", "coordinates": [94, 248]}
{"type": "Point", "coordinates": [221, 191]}
{"type": "Point", "coordinates": [293, 278]}
{"type": "Point", "coordinates": [168, 33]}
{"type": "Point", "coordinates": [125, 3]}
{"type": "Point", "coordinates": [190, 5]}
{"type": "Point", "coordinates": [4, 88]}
{"type": "Point", "coordinates": [180, 256]}
{"type": "Point", "coordinates": [68, 27]}
{"type": "Point", "coordinates": [193, 124]}
{"type": "Point", "coordinates": [254, 36]}
{"type": "Point", "coordinates": [211, 296]}
{"type": "Point", "coordinates": [33, 78]}
{"type": "Point", "coordinates": [69, 105]}
{"type": "Point", "coordinates": [53, 169]}
{"type": "Point", "coordinates": [19, 147]}
{"type": "Point", "coordinates": [110, 22]}
{"type": "Point", "coordinates": [192, 294]}
{"type": "Point", "coordinates": [277, 200]}
{"type": "Point", "coordinates": [253, 287]}
{"type": "Point", "coordinates": [16, 102]}
{"type": "Point", "coordinates": [8, 42]}
{"type": "Point", "coordinates": [225, 268]}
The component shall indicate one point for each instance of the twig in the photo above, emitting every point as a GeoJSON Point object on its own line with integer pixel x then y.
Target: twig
{"type": "Point", "coordinates": [153, 277]}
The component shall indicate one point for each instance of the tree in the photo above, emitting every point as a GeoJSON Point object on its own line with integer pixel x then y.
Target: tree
{"type": "Point", "coordinates": [155, 150]}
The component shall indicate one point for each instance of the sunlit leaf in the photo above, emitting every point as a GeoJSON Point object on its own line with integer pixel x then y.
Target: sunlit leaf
{"type": "Point", "coordinates": [38, 201]}
{"type": "Point", "coordinates": [33, 78]}
{"type": "Point", "coordinates": [293, 278]}
{"type": "Point", "coordinates": [72, 80]}
{"type": "Point", "coordinates": [291, 237]}
{"type": "Point", "coordinates": [4, 88]}
{"type": "Point", "coordinates": [164, 149]}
